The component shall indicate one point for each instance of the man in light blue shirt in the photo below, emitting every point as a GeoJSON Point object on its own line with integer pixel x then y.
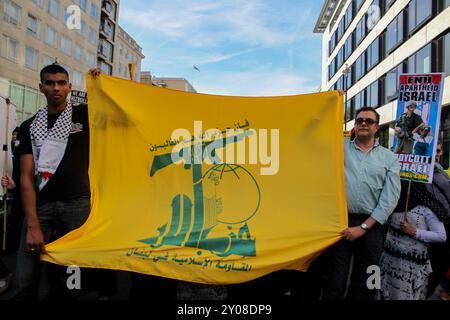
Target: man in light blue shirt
{"type": "Point", "coordinates": [373, 188]}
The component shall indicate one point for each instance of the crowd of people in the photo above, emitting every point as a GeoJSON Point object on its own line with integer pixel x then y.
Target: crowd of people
{"type": "Point", "coordinates": [50, 188]}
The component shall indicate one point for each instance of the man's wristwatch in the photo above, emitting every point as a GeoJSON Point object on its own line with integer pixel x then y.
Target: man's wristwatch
{"type": "Point", "coordinates": [364, 226]}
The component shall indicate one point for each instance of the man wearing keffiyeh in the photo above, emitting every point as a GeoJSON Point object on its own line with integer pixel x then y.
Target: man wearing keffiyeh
{"type": "Point", "coordinates": [54, 158]}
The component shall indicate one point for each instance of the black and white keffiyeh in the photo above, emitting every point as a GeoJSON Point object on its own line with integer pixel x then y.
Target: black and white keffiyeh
{"type": "Point", "coordinates": [49, 145]}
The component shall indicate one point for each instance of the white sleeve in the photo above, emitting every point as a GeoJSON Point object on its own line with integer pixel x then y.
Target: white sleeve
{"type": "Point", "coordinates": [436, 229]}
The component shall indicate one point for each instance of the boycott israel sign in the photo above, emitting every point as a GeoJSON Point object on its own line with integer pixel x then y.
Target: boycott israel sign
{"type": "Point", "coordinates": [417, 124]}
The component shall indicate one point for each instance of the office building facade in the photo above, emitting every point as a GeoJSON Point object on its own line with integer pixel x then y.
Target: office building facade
{"type": "Point", "coordinates": [367, 44]}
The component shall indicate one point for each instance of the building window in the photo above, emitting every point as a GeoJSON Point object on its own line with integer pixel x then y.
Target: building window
{"type": "Point", "coordinates": [360, 31]}
{"type": "Point", "coordinates": [46, 61]}
{"type": "Point", "coordinates": [350, 110]}
{"type": "Point", "coordinates": [33, 26]}
{"type": "Point", "coordinates": [110, 7]}
{"type": "Point", "coordinates": [348, 16]}
{"type": "Point", "coordinates": [78, 52]}
{"type": "Point", "coordinates": [106, 68]}
{"type": "Point", "coordinates": [90, 60]}
{"type": "Point", "coordinates": [446, 54]}
{"type": "Point", "coordinates": [66, 45]}
{"type": "Point", "coordinates": [388, 4]}
{"type": "Point", "coordinates": [39, 3]}
{"type": "Point", "coordinates": [93, 36]}
{"type": "Point", "coordinates": [391, 83]}
{"type": "Point", "coordinates": [94, 11]}
{"type": "Point", "coordinates": [348, 78]}
{"type": "Point", "coordinates": [360, 67]}
{"type": "Point", "coordinates": [332, 69]}
{"type": "Point", "coordinates": [77, 78]}
{"type": "Point", "coordinates": [82, 4]}
{"type": "Point", "coordinates": [357, 4]}
{"type": "Point", "coordinates": [31, 57]}
{"type": "Point", "coordinates": [339, 58]}
{"type": "Point", "coordinates": [340, 29]}
{"type": "Point", "coordinates": [373, 54]}
{"type": "Point", "coordinates": [53, 7]}
{"type": "Point", "coordinates": [420, 62]}
{"type": "Point", "coordinates": [332, 43]}
{"type": "Point", "coordinates": [373, 95]}
{"type": "Point", "coordinates": [348, 46]}
{"type": "Point", "coordinates": [108, 28]}
{"type": "Point", "coordinates": [360, 100]}
{"type": "Point", "coordinates": [82, 30]}
{"type": "Point", "coordinates": [9, 48]}
{"type": "Point", "coordinates": [105, 49]}
{"type": "Point", "coordinates": [418, 12]}
{"type": "Point", "coordinates": [50, 36]}
{"type": "Point", "coordinates": [395, 33]}
{"type": "Point", "coordinates": [11, 12]}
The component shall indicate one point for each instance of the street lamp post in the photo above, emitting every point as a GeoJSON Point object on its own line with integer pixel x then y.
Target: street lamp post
{"type": "Point", "coordinates": [346, 71]}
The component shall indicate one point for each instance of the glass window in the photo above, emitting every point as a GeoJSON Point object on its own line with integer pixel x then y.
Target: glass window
{"type": "Point", "coordinates": [77, 78]}
{"type": "Point", "coordinates": [33, 26]}
{"type": "Point", "coordinates": [348, 16]}
{"type": "Point", "coordinates": [90, 60]}
{"type": "Point", "coordinates": [39, 3]}
{"type": "Point", "coordinates": [391, 83]}
{"type": "Point", "coordinates": [11, 12]}
{"type": "Point", "coordinates": [17, 95]}
{"type": "Point", "coordinates": [358, 4]}
{"type": "Point", "coordinates": [106, 49]}
{"type": "Point", "coordinates": [110, 7]}
{"type": "Point", "coordinates": [50, 36]}
{"type": "Point", "coordinates": [66, 45]}
{"type": "Point", "coordinates": [360, 100]}
{"type": "Point", "coordinates": [82, 30]}
{"type": "Point", "coordinates": [78, 52]}
{"type": "Point", "coordinates": [9, 48]}
{"type": "Point", "coordinates": [339, 58]}
{"type": "Point", "coordinates": [350, 110]}
{"type": "Point", "coordinates": [31, 57]}
{"type": "Point", "coordinates": [360, 31]}
{"type": "Point", "coordinates": [31, 101]}
{"type": "Point", "coordinates": [93, 36]}
{"type": "Point", "coordinates": [46, 60]}
{"type": "Point", "coordinates": [373, 95]}
{"type": "Point", "coordinates": [395, 33]}
{"type": "Point", "coordinates": [332, 69]}
{"type": "Point", "coordinates": [106, 68]}
{"type": "Point", "coordinates": [332, 43]}
{"type": "Point", "coordinates": [94, 11]}
{"type": "Point", "coordinates": [373, 54]}
{"type": "Point", "coordinates": [348, 46]}
{"type": "Point", "coordinates": [108, 28]}
{"type": "Point", "coordinates": [360, 66]}
{"type": "Point", "coordinates": [340, 29]}
{"type": "Point", "coordinates": [83, 4]}
{"type": "Point", "coordinates": [53, 7]}
{"type": "Point", "coordinates": [420, 62]}
{"type": "Point", "coordinates": [418, 12]}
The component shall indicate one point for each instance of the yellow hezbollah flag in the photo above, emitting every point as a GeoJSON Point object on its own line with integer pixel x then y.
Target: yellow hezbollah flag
{"type": "Point", "coordinates": [208, 189]}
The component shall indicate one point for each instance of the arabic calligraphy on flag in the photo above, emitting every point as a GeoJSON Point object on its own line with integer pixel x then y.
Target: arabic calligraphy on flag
{"type": "Point", "coordinates": [208, 189]}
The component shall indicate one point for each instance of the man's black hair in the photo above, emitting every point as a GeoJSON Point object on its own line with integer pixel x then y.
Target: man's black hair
{"type": "Point", "coordinates": [368, 109]}
{"type": "Point", "coordinates": [53, 69]}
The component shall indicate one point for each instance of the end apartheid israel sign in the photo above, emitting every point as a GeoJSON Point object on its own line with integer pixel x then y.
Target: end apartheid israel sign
{"type": "Point", "coordinates": [417, 124]}
{"type": "Point", "coordinates": [208, 189]}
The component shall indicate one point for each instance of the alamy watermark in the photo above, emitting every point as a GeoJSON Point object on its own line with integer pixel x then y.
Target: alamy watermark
{"type": "Point", "coordinates": [228, 146]}
{"type": "Point", "coordinates": [73, 17]}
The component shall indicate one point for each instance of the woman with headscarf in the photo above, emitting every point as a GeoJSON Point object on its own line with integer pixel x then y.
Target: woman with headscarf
{"type": "Point", "coordinates": [405, 263]}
